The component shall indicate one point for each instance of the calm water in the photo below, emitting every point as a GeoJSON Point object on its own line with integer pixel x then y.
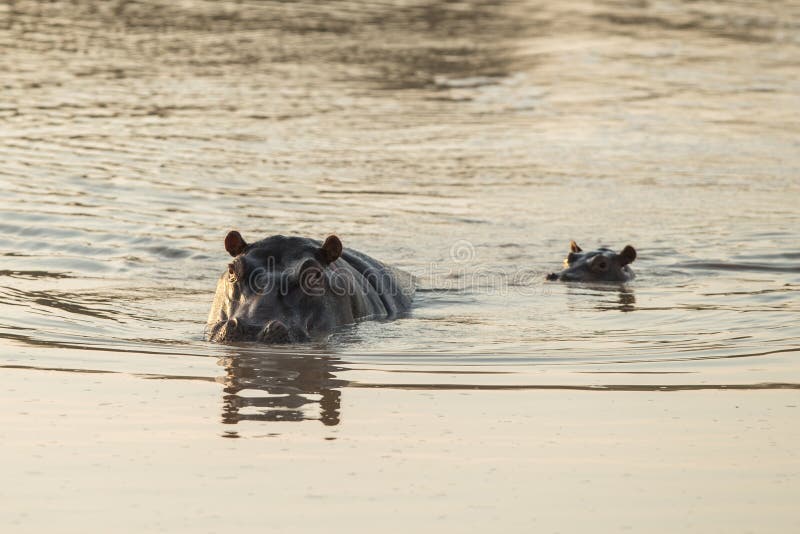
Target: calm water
{"type": "Point", "coordinates": [465, 142]}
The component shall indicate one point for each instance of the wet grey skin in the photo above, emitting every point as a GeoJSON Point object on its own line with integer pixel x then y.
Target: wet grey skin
{"type": "Point", "coordinates": [601, 265]}
{"type": "Point", "coordinates": [295, 289]}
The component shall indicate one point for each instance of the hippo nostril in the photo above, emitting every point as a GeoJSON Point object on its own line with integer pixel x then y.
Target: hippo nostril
{"type": "Point", "coordinates": [230, 330]}
{"type": "Point", "coordinates": [276, 325]}
{"type": "Point", "coordinates": [274, 332]}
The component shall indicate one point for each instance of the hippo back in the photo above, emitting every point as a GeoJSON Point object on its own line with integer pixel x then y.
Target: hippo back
{"type": "Point", "coordinates": [395, 288]}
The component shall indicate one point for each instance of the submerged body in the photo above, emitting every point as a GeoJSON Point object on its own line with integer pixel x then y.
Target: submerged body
{"type": "Point", "coordinates": [290, 289]}
{"type": "Point", "coordinates": [601, 265]}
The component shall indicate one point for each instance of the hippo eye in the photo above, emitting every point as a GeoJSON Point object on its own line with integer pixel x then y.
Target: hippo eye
{"type": "Point", "coordinates": [311, 278]}
{"type": "Point", "coordinates": [599, 263]}
{"type": "Point", "coordinates": [232, 276]}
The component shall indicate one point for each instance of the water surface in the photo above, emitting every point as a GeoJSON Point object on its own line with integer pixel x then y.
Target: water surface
{"type": "Point", "coordinates": [465, 142]}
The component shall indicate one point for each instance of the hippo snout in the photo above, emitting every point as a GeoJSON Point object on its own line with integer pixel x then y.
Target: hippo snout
{"type": "Point", "coordinates": [273, 331]}
{"type": "Point", "coordinates": [232, 330]}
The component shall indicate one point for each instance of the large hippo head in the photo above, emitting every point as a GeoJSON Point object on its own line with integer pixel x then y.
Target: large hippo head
{"type": "Point", "coordinates": [601, 265]}
{"type": "Point", "coordinates": [280, 289]}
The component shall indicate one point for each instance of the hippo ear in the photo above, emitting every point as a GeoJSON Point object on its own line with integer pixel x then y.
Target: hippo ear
{"type": "Point", "coordinates": [234, 243]}
{"type": "Point", "coordinates": [331, 250]}
{"type": "Point", "coordinates": [573, 247]}
{"type": "Point", "coordinates": [627, 255]}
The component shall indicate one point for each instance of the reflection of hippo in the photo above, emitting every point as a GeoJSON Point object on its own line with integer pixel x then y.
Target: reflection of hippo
{"type": "Point", "coordinates": [288, 289]}
{"type": "Point", "coordinates": [281, 387]}
{"type": "Point", "coordinates": [601, 265]}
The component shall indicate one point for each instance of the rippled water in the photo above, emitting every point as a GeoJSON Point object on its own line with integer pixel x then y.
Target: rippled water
{"type": "Point", "coordinates": [465, 142]}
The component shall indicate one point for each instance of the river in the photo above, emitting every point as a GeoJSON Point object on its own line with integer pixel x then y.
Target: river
{"type": "Point", "coordinates": [466, 142]}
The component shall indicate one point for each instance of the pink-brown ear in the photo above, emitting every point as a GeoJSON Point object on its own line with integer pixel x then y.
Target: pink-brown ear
{"type": "Point", "coordinates": [573, 247]}
{"type": "Point", "coordinates": [234, 243]}
{"type": "Point", "coordinates": [627, 255]}
{"type": "Point", "coordinates": [331, 249]}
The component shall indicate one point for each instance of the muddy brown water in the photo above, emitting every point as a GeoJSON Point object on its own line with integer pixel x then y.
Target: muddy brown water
{"type": "Point", "coordinates": [465, 142]}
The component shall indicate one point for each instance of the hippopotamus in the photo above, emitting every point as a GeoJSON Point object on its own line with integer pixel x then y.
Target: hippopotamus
{"type": "Point", "coordinates": [601, 265]}
{"type": "Point", "coordinates": [294, 289]}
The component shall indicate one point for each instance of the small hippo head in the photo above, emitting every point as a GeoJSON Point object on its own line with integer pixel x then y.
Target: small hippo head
{"type": "Point", "coordinates": [278, 290]}
{"type": "Point", "coordinates": [601, 265]}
